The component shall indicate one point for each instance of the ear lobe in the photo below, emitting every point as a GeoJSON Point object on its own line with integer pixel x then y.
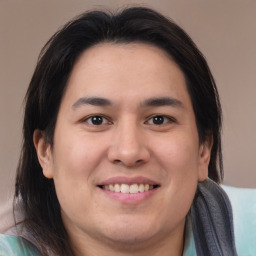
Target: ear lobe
{"type": "Point", "coordinates": [204, 158]}
{"type": "Point", "coordinates": [44, 153]}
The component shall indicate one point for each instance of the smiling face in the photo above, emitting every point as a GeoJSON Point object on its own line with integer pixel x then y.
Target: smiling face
{"type": "Point", "coordinates": [126, 156]}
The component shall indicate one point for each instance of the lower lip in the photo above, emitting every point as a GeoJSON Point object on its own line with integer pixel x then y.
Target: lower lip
{"type": "Point", "coordinates": [130, 198]}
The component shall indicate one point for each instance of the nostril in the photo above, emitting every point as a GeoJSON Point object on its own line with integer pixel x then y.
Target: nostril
{"type": "Point", "coordinates": [128, 163]}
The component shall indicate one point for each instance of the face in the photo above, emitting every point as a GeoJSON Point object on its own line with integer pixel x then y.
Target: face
{"type": "Point", "coordinates": [125, 123]}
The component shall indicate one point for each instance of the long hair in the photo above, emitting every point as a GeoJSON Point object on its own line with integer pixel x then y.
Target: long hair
{"type": "Point", "coordinates": [48, 84]}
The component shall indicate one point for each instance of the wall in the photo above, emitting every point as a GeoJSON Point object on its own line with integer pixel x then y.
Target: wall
{"type": "Point", "coordinates": [224, 31]}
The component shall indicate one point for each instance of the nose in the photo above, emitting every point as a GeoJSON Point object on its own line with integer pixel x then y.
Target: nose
{"type": "Point", "coordinates": [128, 147]}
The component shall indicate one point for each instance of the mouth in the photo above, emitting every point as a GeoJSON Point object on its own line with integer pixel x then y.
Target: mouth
{"type": "Point", "coordinates": [129, 188]}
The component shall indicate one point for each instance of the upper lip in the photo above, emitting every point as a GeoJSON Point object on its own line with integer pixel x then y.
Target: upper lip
{"type": "Point", "coordinates": [128, 180]}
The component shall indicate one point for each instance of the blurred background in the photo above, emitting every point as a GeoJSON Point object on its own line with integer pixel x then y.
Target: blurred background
{"type": "Point", "coordinates": [225, 31]}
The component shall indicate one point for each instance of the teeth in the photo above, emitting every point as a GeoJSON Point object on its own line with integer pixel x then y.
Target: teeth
{"type": "Point", "coordinates": [126, 189]}
{"type": "Point", "coordinates": [106, 187]}
{"type": "Point", "coordinates": [117, 188]}
{"type": "Point", "coordinates": [141, 188]}
{"type": "Point", "coordinates": [134, 188]}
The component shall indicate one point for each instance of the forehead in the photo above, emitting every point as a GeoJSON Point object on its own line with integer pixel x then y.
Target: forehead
{"type": "Point", "coordinates": [126, 71]}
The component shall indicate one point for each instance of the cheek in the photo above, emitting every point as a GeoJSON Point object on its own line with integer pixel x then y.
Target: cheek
{"type": "Point", "coordinates": [75, 161]}
{"type": "Point", "coordinates": [178, 155]}
{"type": "Point", "coordinates": [76, 156]}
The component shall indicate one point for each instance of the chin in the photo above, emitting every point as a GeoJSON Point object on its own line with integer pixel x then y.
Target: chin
{"type": "Point", "coordinates": [129, 240]}
{"type": "Point", "coordinates": [131, 233]}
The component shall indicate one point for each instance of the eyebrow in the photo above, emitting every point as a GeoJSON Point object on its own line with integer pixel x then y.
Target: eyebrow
{"type": "Point", "coordinates": [152, 102]}
{"type": "Point", "coordinates": [95, 101]}
{"type": "Point", "coordinates": [162, 101]}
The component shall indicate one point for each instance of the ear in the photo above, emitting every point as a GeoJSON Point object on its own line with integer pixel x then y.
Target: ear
{"type": "Point", "coordinates": [204, 157]}
{"type": "Point", "coordinates": [44, 153]}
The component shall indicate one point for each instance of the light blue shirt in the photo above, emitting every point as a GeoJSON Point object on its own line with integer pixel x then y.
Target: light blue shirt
{"type": "Point", "coordinates": [16, 246]}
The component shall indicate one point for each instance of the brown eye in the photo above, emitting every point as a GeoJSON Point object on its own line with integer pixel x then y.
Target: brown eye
{"type": "Point", "coordinates": [159, 120]}
{"type": "Point", "coordinates": [96, 120]}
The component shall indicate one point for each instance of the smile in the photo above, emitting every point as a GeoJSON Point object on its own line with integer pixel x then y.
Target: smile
{"type": "Point", "coordinates": [129, 189]}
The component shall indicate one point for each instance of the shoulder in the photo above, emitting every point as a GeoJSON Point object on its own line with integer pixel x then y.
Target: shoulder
{"type": "Point", "coordinates": [243, 201]}
{"type": "Point", "coordinates": [13, 245]}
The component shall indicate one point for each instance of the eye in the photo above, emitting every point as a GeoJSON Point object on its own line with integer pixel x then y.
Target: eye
{"type": "Point", "coordinates": [159, 120]}
{"type": "Point", "coordinates": [96, 120]}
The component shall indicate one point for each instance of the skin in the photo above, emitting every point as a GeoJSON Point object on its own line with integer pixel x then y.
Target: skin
{"type": "Point", "coordinates": [127, 143]}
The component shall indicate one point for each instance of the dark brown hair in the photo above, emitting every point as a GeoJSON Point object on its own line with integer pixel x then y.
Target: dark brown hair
{"type": "Point", "coordinates": [40, 203]}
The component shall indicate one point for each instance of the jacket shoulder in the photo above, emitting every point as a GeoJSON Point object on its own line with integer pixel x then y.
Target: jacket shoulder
{"type": "Point", "coordinates": [243, 201]}
{"type": "Point", "coordinates": [13, 245]}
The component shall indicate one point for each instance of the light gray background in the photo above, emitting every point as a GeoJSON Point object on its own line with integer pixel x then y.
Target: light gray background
{"type": "Point", "coordinates": [225, 31]}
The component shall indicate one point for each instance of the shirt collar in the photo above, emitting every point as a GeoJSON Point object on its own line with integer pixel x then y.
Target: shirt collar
{"type": "Point", "coordinates": [189, 244]}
